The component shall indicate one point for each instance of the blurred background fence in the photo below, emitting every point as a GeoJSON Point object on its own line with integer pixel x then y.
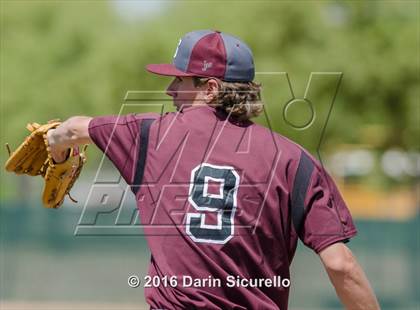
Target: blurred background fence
{"type": "Point", "coordinates": [64, 58]}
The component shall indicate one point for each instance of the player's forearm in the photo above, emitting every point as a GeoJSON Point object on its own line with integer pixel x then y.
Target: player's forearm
{"type": "Point", "coordinates": [354, 290]}
{"type": "Point", "coordinates": [70, 133]}
{"type": "Point", "coordinates": [348, 278]}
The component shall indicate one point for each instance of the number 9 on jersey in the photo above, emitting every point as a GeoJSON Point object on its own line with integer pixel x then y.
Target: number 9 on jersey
{"type": "Point", "coordinates": [223, 203]}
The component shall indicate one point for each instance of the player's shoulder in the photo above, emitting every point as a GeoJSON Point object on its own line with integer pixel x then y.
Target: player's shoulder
{"type": "Point", "coordinates": [284, 144]}
{"type": "Point", "coordinates": [291, 151]}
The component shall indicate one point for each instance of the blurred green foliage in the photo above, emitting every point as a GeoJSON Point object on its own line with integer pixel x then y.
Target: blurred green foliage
{"type": "Point", "coordinates": [64, 58]}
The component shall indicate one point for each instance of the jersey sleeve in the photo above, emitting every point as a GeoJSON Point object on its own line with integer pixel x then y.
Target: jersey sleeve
{"type": "Point", "coordinates": [117, 136]}
{"type": "Point", "coordinates": [320, 214]}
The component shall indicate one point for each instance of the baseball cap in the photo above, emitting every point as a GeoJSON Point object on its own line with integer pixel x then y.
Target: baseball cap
{"type": "Point", "coordinates": [209, 53]}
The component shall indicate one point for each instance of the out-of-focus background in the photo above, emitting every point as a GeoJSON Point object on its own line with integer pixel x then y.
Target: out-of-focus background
{"type": "Point", "coordinates": [64, 58]}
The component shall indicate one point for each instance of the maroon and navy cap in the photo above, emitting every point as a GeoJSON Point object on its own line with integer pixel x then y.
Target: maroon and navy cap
{"type": "Point", "coordinates": [208, 53]}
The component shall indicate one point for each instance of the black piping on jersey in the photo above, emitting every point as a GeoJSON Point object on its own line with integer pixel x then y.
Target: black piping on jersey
{"type": "Point", "coordinates": [141, 159]}
{"type": "Point", "coordinates": [300, 188]}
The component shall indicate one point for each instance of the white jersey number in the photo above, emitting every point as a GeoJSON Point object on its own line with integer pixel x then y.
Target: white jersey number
{"type": "Point", "coordinates": [223, 203]}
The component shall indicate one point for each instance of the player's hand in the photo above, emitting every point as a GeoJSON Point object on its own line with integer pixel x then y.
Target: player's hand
{"type": "Point", "coordinates": [44, 153]}
{"type": "Point", "coordinates": [59, 154]}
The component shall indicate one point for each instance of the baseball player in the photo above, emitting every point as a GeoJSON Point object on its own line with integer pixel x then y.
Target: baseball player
{"type": "Point", "coordinates": [223, 200]}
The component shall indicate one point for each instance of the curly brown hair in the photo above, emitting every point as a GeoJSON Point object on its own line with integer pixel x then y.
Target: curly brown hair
{"type": "Point", "coordinates": [241, 100]}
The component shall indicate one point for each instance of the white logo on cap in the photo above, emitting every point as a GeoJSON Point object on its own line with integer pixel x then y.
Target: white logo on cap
{"type": "Point", "coordinates": [176, 51]}
{"type": "Point", "coordinates": [206, 65]}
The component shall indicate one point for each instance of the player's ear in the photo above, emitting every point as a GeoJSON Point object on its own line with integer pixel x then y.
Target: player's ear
{"type": "Point", "coordinates": [212, 89]}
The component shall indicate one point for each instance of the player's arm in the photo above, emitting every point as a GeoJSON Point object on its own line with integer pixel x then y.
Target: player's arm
{"type": "Point", "coordinates": [348, 278]}
{"type": "Point", "coordinates": [72, 132]}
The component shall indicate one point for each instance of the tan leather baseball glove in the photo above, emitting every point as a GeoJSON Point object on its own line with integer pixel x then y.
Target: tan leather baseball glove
{"type": "Point", "coordinates": [33, 158]}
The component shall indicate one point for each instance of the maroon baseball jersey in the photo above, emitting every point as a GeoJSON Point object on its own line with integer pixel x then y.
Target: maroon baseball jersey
{"type": "Point", "coordinates": [222, 204]}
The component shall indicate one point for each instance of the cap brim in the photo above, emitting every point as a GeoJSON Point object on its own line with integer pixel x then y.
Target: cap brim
{"type": "Point", "coordinates": [166, 69]}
